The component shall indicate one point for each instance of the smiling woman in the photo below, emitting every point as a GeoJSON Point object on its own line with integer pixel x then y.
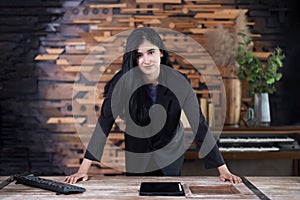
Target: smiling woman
{"type": "Point", "coordinates": [148, 60]}
{"type": "Point", "coordinates": [149, 95]}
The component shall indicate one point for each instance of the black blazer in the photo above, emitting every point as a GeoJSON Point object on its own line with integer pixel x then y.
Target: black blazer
{"type": "Point", "coordinates": [167, 144]}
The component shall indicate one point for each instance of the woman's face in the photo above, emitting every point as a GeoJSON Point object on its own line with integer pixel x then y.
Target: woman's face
{"type": "Point", "coordinates": [148, 60]}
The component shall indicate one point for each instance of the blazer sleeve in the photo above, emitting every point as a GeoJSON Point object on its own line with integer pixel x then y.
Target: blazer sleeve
{"type": "Point", "coordinates": [209, 150]}
{"type": "Point", "coordinates": [105, 122]}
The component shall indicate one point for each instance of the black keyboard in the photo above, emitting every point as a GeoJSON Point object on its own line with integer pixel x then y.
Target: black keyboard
{"type": "Point", "coordinates": [55, 186]}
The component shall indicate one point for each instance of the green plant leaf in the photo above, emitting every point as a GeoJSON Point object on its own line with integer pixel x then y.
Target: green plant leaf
{"type": "Point", "coordinates": [278, 76]}
{"type": "Point", "coordinates": [271, 81]}
{"type": "Point", "coordinates": [279, 62]}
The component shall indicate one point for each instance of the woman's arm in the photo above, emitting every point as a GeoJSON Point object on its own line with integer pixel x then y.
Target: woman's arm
{"type": "Point", "coordinates": [82, 172]}
{"type": "Point", "coordinates": [97, 142]}
{"type": "Point", "coordinates": [212, 156]}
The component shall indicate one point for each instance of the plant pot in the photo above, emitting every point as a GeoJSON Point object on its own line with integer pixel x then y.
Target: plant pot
{"type": "Point", "coordinates": [262, 109]}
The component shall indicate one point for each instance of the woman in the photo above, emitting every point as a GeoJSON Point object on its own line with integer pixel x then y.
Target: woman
{"type": "Point", "coordinates": [149, 95]}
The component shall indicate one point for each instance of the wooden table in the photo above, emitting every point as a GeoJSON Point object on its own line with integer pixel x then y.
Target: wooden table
{"type": "Point", "coordinates": [127, 188]}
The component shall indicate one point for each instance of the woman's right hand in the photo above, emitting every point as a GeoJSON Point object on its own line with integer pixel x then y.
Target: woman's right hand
{"type": "Point", "coordinates": [81, 173]}
{"type": "Point", "coordinates": [75, 177]}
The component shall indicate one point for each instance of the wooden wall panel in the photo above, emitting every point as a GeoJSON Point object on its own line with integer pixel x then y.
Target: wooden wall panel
{"type": "Point", "coordinates": [42, 55]}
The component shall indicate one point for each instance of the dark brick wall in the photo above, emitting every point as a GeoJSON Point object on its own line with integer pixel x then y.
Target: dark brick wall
{"type": "Point", "coordinates": [24, 145]}
{"type": "Point", "coordinates": [291, 80]}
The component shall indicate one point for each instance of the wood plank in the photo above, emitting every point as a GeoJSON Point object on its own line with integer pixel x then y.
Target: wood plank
{"type": "Point", "coordinates": [77, 68]}
{"type": "Point", "coordinates": [211, 22]}
{"type": "Point", "coordinates": [214, 16]}
{"type": "Point", "coordinates": [46, 57]}
{"type": "Point", "coordinates": [82, 21]}
{"type": "Point", "coordinates": [181, 24]}
{"type": "Point", "coordinates": [75, 42]}
{"type": "Point", "coordinates": [117, 5]}
{"type": "Point", "coordinates": [255, 35]}
{"type": "Point", "coordinates": [150, 16]}
{"type": "Point", "coordinates": [198, 30]}
{"type": "Point", "coordinates": [83, 101]}
{"type": "Point", "coordinates": [65, 120]}
{"type": "Point", "coordinates": [133, 10]}
{"type": "Point", "coordinates": [143, 20]}
{"type": "Point", "coordinates": [152, 22]}
{"type": "Point", "coordinates": [62, 62]}
{"type": "Point", "coordinates": [56, 51]}
{"type": "Point", "coordinates": [113, 28]}
{"type": "Point", "coordinates": [262, 55]}
{"type": "Point", "coordinates": [220, 14]}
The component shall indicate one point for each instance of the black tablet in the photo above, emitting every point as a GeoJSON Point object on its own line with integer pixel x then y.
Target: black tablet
{"type": "Point", "coordinates": [161, 189]}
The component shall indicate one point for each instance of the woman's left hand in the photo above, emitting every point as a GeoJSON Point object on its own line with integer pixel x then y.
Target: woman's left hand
{"type": "Point", "coordinates": [226, 175]}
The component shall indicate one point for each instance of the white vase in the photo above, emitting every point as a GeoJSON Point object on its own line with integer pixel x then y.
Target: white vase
{"type": "Point", "coordinates": [262, 108]}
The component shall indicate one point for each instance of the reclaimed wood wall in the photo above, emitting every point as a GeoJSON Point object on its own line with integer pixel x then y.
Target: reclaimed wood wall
{"type": "Point", "coordinates": [43, 49]}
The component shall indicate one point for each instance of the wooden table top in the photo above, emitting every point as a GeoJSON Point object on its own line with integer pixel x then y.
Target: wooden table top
{"type": "Point", "coordinates": [195, 187]}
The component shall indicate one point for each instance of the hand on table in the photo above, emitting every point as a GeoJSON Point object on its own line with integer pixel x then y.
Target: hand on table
{"type": "Point", "coordinates": [226, 175]}
{"type": "Point", "coordinates": [76, 177]}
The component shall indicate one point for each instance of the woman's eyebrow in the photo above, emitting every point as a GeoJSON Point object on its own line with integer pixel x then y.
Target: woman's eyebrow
{"type": "Point", "coordinates": [149, 50]}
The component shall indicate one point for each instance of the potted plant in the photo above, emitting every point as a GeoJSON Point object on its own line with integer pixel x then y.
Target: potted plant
{"type": "Point", "coordinates": [222, 45]}
{"type": "Point", "coordinates": [260, 77]}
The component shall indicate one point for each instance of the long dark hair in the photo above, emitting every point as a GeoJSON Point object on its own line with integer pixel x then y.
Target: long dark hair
{"type": "Point", "coordinates": [138, 111]}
